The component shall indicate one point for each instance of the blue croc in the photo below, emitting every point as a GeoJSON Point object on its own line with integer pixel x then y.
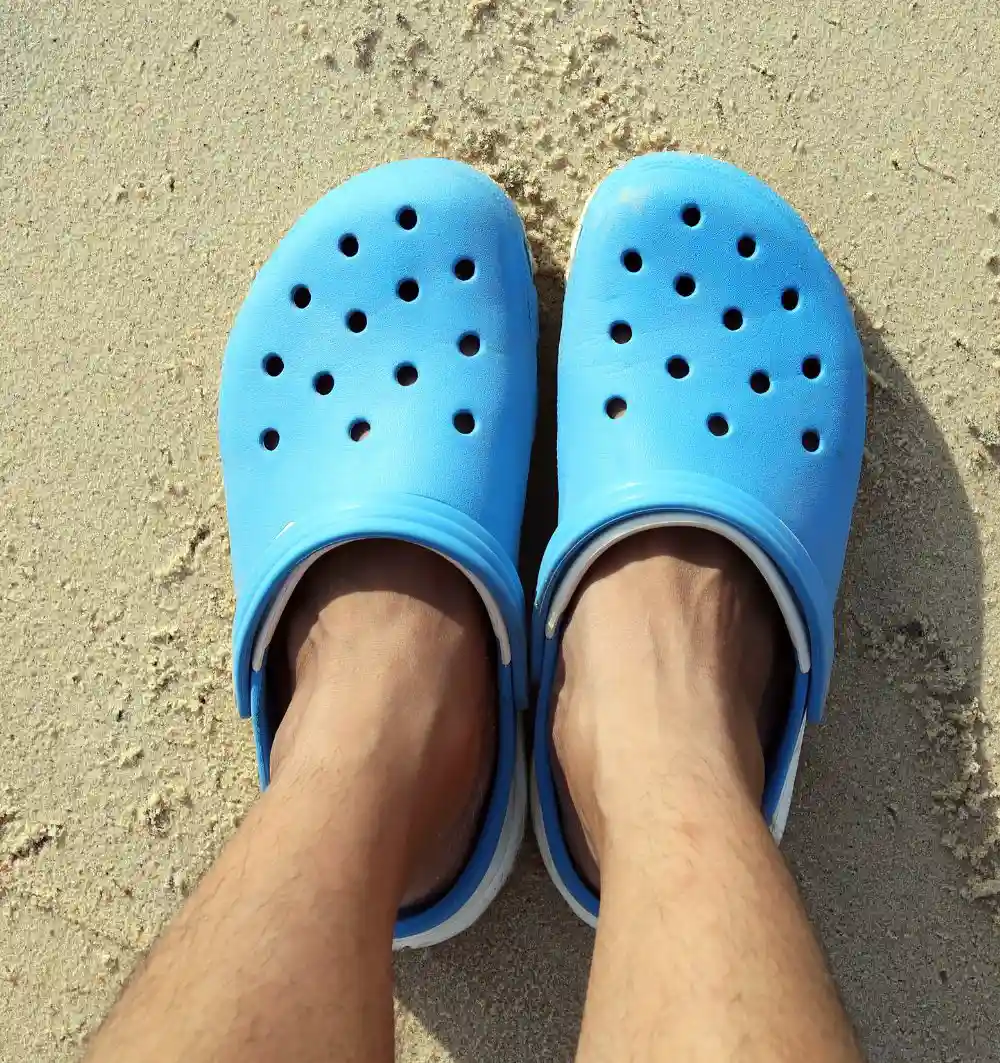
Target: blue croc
{"type": "Point", "coordinates": [710, 376]}
{"type": "Point", "coordinates": [379, 382]}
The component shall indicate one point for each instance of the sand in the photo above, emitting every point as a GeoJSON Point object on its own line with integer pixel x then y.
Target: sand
{"type": "Point", "coordinates": [151, 155]}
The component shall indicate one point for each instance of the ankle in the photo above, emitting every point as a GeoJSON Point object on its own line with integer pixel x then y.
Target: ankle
{"type": "Point", "coordinates": [663, 689]}
{"type": "Point", "coordinates": [670, 754]}
{"type": "Point", "coordinates": [390, 660]}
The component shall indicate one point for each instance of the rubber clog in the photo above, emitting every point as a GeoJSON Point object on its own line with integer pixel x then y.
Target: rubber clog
{"type": "Point", "coordinates": [379, 382]}
{"type": "Point", "coordinates": [710, 375]}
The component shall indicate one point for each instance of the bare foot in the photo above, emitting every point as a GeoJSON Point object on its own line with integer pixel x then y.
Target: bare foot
{"type": "Point", "coordinates": [391, 662]}
{"type": "Point", "coordinates": [683, 621]}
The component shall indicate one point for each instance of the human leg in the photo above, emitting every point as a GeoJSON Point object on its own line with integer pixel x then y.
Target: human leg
{"type": "Point", "coordinates": [704, 951]}
{"type": "Point", "coordinates": [380, 768]}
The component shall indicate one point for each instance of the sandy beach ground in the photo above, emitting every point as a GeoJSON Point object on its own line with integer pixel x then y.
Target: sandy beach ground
{"type": "Point", "coordinates": [151, 156]}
